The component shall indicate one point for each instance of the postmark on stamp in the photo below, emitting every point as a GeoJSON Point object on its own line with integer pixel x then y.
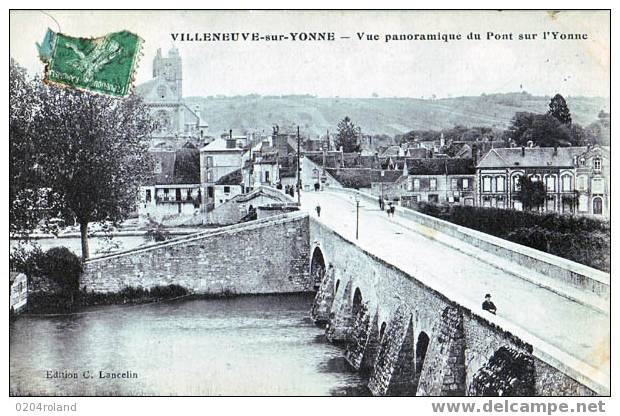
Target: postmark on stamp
{"type": "Point", "coordinates": [105, 65]}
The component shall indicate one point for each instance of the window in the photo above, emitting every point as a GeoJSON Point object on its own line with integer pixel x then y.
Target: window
{"type": "Point", "coordinates": [516, 183]}
{"type": "Point", "coordinates": [148, 195]}
{"type": "Point", "coordinates": [158, 166]}
{"type": "Point", "coordinates": [597, 206]}
{"type": "Point", "coordinates": [465, 183]}
{"type": "Point", "coordinates": [598, 186]}
{"type": "Point", "coordinates": [567, 183]}
{"type": "Point", "coordinates": [433, 184]}
{"type": "Point", "coordinates": [486, 184]}
{"type": "Point", "coordinates": [597, 164]}
{"type": "Point", "coordinates": [208, 161]}
{"type": "Point", "coordinates": [409, 184]}
{"type": "Point", "coordinates": [210, 192]}
{"type": "Point", "coordinates": [416, 184]}
{"type": "Point", "coordinates": [267, 176]}
{"type": "Point", "coordinates": [455, 183]}
{"type": "Point", "coordinates": [209, 175]}
{"type": "Point", "coordinates": [582, 183]}
{"type": "Point", "coordinates": [550, 183]}
{"type": "Point", "coordinates": [499, 184]}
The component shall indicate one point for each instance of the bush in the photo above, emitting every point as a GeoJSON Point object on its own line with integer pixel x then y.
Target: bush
{"type": "Point", "coordinates": [63, 267]}
{"type": "Point", "coordinates": [582, 239]}
{"type": "Point", "coordinates": [157, 234]}
{"type": "Point", "coordinates": [133, 295]}
{"type": "Point", "coordinates": [26, 258]}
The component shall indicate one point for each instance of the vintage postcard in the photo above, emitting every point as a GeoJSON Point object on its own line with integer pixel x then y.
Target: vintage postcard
{"type": "Point", "coordinates": [310, 203]}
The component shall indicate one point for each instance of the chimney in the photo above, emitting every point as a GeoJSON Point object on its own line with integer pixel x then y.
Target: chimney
{"type": "Point", "coordinates": [522, 151]}
{"type": "Point", "coordinates": [474, 153]}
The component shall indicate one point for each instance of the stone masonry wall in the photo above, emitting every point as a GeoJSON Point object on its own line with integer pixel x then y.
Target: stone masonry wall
{"type": "Point", "coordinates": [269, 257]}
{"type": "Point", "coordinates": [470, 340]}
{"type": "Point", "coordinates": [444, 370]}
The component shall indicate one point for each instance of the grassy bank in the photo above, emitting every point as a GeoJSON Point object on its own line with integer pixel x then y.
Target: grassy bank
{"type": "Point", "coordinates": [63, 301]}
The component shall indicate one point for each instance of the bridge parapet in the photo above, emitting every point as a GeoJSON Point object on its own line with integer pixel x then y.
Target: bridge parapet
{"type": "Point", "coordinates": [516, 258]}
{"type": "Point", "coordinates": [237, 259]}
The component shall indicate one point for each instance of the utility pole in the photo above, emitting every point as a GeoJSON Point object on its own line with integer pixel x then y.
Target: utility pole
{"type": "Point", "coordinates": [298, 170]}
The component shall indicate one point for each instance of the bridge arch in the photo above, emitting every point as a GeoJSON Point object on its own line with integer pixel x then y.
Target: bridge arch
{"type": "Point", "coordinates": [317, 266]}
{"type": "Point", "coordinates": [382, 330]}
{"type": "Point", "coordinates": [357, 302]}
{"type": "Point", "coordinates": [421, 347]}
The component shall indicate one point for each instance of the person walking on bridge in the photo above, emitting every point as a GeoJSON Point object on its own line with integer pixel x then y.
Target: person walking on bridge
{"type": "Point", "coordinates": [318, 210]}
{"type": "Point", "coordinates": [487, 305]}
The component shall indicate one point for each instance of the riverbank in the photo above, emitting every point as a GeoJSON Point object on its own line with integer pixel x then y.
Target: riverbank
{"type": "Point", "coordinates": [117, 233]}
{"type": "Point", "coordinates": [50, 301]}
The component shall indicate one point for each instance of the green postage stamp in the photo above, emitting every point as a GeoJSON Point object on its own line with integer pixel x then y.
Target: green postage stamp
{"type": "Point", "coordinates": [105, 65]}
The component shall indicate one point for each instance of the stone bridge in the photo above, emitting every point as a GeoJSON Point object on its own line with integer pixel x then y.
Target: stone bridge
{"type": "Point", "coordinates": [403, 299]}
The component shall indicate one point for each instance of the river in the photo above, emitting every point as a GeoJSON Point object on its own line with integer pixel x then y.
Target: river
{"type": "Point", "coordinates": [250, 345]}
{"type": "Point", "coordinates": [96, 245]}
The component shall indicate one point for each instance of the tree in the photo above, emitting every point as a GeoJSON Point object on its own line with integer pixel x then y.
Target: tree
{"type": "Point", "coordinates": [532, 194]}
{"type": "Point", "coordinates": [95, 152]}
{"type": "Point", "coordinates": [559, 110]}
{"type": "Point", "coordinates": [26, 201]}
{"type": "Point", "coordinates": [543, 130]}
{"type": "Point", "coordinates": [348, 136]}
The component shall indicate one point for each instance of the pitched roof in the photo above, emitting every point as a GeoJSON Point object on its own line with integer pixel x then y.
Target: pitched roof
{"type": "Point", "coordinates": [180, 167]}
{"type": "Point", "coordinates": [441, 166]}
{"type": "Point", "coordinates": [219, 145]}
{"type": "Point", "coordinates": [362, 177]}
{"type": "Point", "coordinates": [233, 178]}
{"type": "Point", "coordinates": [530, 156]}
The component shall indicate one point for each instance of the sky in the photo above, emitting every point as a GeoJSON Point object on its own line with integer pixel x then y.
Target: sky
{"type": "Point", "coordinates": [352, 67]}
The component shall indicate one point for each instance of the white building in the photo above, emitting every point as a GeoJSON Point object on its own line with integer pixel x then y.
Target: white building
{"type": "Point", "coordinates": [576, 179]}
{"type": "Point", "coordinates": [218, 159]}
{"type": "Point", "coordinates": [173, 195]}
{"type": "Point", "coordinates": [18, 283]}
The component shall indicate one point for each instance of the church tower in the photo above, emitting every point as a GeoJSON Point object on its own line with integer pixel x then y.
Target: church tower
{"type": "Point", "coordinates": [171, 70]}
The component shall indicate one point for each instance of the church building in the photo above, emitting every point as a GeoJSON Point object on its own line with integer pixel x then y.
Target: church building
{"type": "Point", "coordinates": [177, 123]}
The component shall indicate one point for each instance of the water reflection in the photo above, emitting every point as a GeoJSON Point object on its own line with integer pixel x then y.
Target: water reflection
{"type": "Point", "coordinates": [261, 345]}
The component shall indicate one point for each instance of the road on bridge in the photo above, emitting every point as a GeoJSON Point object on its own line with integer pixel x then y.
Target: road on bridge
{"type": "Point", "coordinates": [574, 328]}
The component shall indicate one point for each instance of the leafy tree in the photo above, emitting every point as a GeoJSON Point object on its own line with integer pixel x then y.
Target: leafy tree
{"type": "Point", "coordinates": [532, 193]}
{"type": "Point", "coordinates": [544, 130]}
{"type": "Point", "coordinates": [94, 153]}
{"type": "Point", "coordinates": [559, 110]}
{"type": "Point", "coordinates": [348, 136]}
{"type": "Point", "coordinates": [26, 199]}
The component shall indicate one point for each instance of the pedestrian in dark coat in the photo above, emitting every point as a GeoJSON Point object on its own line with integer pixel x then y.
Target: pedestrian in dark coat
{"type": "Point", "coordinates": [487, 305]}
{"type": "Point", "coordinates": [318, 210]}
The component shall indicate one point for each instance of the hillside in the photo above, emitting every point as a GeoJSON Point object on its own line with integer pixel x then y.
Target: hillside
{"type": "Point", "coordinates": [379, 115]}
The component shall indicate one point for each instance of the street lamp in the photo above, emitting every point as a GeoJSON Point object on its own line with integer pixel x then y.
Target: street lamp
{"type": "Point", "coordinates": [357, 216]}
